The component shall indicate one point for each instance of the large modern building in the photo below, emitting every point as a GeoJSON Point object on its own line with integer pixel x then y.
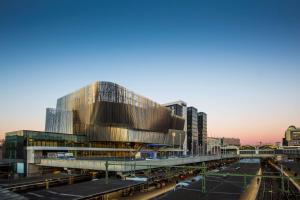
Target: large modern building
{"type": "Point", "coordinates": [192, 131]}
{"type": "Point", "coordinates": [292, 136]}
{"type": "Point", "coordinates": [107, 112]}
{"type": "Point", "coordinates": [103, 120]}
{"type": "Point", "coordinates": [202, 132]}
{"type": "Point", "coordinates": [179, 108]}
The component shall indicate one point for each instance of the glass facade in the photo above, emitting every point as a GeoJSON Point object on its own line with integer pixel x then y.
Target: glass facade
{"type": "Point", "coordinates": [16, 142]}
{"type": "Point", "coordinates": [14, 147]}
{"type": "Point", "coordinates": [202, 130]}
{"type": "Point", "coordinates": [176, 109]}
{"type": "Point", "coordinates": [38, 138]}
{"type": "Point", "coordinates": [192, 130]}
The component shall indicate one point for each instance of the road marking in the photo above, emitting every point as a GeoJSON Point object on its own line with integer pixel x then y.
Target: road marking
{"type": "Point", "coordinates": [232, 193]}
{"type": "Point", "coordinates": [34, 194]}
{"type": "Point", "coordinates": [64, 194]}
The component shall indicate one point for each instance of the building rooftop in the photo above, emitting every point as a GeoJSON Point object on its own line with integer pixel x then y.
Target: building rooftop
{"type": "Point", "coordinates": [180, 102]}
{"type": "Point", "coordinates": [79, 190]}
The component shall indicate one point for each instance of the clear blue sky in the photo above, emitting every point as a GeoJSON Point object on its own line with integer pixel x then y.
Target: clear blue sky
{"type": "Point", "coordinates": [236, 60]}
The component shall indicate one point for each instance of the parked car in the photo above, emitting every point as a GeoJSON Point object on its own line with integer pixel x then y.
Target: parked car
{"type": "Point", "coordinates": [181, 185]}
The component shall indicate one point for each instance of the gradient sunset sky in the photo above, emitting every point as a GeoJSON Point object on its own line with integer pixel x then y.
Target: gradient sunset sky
{"type": "Point", "coordinates": [238, 61]}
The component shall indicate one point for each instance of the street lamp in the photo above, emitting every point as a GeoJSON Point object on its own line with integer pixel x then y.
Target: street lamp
{"type": "Point", "coordinates": [200, 150]}
{"type": "Point", "coordinates": [180, 147]}
{"type": "Point", "coordinates": [173, 136]}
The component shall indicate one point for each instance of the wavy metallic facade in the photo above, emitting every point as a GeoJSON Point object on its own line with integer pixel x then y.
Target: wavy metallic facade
{"type": "Point", "coordinates": [59, 120]}
{"type": "Point", "coordinates": [106, 111]}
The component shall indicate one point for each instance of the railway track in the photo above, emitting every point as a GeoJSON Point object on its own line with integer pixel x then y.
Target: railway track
{"type": "Point", "coordinates": [275, 188]}
{"type": "Point", "coordinates": [270, 188]}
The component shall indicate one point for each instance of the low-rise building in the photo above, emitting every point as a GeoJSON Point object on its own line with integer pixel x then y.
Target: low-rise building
{"type": "Point", "coordinates": [213, 146]}
{"type": "Point", "coordinates": [230, 142]}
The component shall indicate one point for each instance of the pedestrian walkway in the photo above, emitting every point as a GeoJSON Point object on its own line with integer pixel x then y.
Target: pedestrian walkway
{"type": "Point", "coordinates": [252, 189]}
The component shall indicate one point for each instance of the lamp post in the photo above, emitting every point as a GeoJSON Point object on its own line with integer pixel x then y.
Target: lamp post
{"type": "Point", "coordinates": [180, 144]}
{"type": "Point", "coordinates": [173, 137]}
{"type": "Point", "coordinates": [199, 154]}
{"type": "Point", "coordinates": [192, 147]}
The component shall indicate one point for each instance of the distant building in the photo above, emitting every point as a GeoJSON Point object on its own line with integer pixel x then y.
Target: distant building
{"type": "Point", "coordinates": [278, 144]}
{"type": "Point", "coordinates": [192, 131]}
{"type": "Point", "coordinates": [213, 146]}
{"type": "Point", "coordinates": [179, 108]}
{"type": "Point", "coordinates": [1, 148]}
{"type": "Point", "coordinates": [230, 142]}
{"type": "Point", "coordinates": [292, 136]}
{"type": "Point", "coordinates": [202, 131]}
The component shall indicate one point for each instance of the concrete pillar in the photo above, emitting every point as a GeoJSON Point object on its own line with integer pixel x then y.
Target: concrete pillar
{"type": "Point", "coordinates": [106, 172]}
{"type": "Point", "coordinates": [71, 180]}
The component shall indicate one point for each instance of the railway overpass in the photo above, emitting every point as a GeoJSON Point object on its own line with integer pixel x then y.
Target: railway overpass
{"type": "Point", "coordinates": [126, 166]}
{"type": "Point", "coordinates": [266, 151]}
{"type": "Point", "coordinates": [257, 153]}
